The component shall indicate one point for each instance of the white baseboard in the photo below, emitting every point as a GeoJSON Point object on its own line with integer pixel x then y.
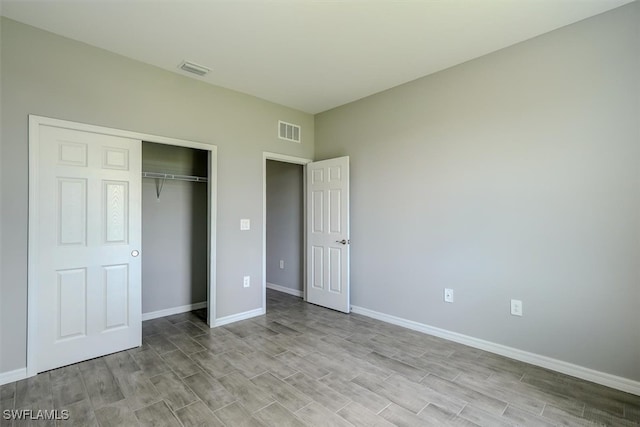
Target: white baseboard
{"type": "Point", "coordinates": [11, 376]}
{"type": "Point", "coordinates": [173, 310]}
{"type": "Point", "coordinates": [237, 317]}
{"type": "Point", "coordinates": [284, 289]}
{"type": "Point", "coordinates": [613, 381]}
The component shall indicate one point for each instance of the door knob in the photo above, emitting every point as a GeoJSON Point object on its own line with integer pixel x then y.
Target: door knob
{"type": "Point", "coordinates": [343, 241]}
{"type": "Point", "coordinates": [135, 253]}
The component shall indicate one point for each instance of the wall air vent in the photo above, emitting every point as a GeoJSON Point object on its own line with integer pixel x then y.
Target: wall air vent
{"type": "Point", "coordinates": [190, 67]}
{"type": "Point", "coordinates": [288, 131]}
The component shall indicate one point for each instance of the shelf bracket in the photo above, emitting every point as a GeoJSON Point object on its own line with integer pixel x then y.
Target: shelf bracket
{"type": "Point", "coordinates": [159, 186]}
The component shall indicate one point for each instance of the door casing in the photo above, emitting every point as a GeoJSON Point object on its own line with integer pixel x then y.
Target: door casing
{"type": "Point", "coordinates": [32, 286]}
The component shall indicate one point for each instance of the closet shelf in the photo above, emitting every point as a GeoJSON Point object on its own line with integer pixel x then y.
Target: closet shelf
{"type": "Point", "coordinates": [162, 177]}
{"type": "Point", "coordinates": [159, 175]}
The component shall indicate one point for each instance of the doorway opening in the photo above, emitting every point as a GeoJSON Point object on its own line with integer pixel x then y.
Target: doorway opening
{"type": "Point", "coordinates": [174, 229]}
{"type": "Point", "coordinates": [285, 228]}
{"type": "Point", "coordinates": [284, 266]}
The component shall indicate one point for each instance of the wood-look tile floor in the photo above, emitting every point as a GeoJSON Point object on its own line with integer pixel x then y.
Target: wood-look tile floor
{"type": "Point", "coordinates": [302, 365]}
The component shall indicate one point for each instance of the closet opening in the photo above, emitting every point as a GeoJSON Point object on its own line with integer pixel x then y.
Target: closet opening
{"type": "Point", "coordinates": [285, 228]}
{"type": "Point", "coordinates": [175, 221]}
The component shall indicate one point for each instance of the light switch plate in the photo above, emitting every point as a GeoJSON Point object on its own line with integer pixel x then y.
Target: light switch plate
{"type": "Point", "coordinates": [245, 224]}
{"type": "Point", "coordinates": [448, 295]}
{"type": "Point", "coordinates": [516, 307]}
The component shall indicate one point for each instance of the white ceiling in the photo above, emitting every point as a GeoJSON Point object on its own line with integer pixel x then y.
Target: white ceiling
{"type": "Point", "coordinates": [309, 55]}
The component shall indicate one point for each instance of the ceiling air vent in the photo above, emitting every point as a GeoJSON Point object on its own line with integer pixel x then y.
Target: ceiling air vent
{"type": "Point", "coordinates": [288, 131]}
{"type": "Point", "coordinates": [191, 67]}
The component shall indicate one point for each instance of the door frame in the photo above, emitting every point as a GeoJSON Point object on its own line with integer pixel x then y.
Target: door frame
{"type": "Point", "coordinates": [285, 159]}
{"type": "Point", "coordinates": [33, 232]}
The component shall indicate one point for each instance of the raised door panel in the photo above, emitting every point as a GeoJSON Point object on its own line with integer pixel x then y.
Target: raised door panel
{"type": "Point", "coordinates": [335, 173]}
{"type": "Point", "coordinates": [71, 304]}
{"type": "Point", "coordinates": [116, 292]}
{"type": "Point", "coordinates": [115, 158]}
{"type": "Point", "coordinates": [317, 176]}
{"type": "Point", "coordinates": [317, 267]}
{"type": "Point", "coordinates": [335, 211]}
{"type": "Point", "coordinates": [116, 211]}
{"type": "Point", "coordinates": [335, 270]}
{"type": "Point", "coordinates": [72, 153]}
{"type": "Point", "coordinates": [317, 212]}
{"type": "Point", "coordinates": [72, 211]}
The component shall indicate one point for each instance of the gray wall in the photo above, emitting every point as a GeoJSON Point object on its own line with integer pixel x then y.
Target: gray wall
{"type": "Point", "coordinates": [52, 76]}
{"type": "Point", "coordinates": [514, 175]}
{"type": "Point", "coordinates": [174, 229]}
{"type": "Point", "coordinates": [1, 197]}
{"type": "Point", "coordinates": [285, 226]}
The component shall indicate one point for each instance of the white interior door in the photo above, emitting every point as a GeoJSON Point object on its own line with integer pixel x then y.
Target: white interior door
{"type": "Point", "coordinates": [89, 233]}
{"type": "Point", "coordinates": [328, 233]}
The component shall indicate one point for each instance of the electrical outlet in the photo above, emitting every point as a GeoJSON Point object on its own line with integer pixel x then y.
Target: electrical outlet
{"type": "Point", "coordinates": [247, 281]}
{"type": "Point", "coordinates": [282, 264]}
{"type": "Point", "coordinates": [245, 224]}
{"type": "Point", "coordinates": [448, 295]}
{"type": "Point", "coordinates": [516, 307]}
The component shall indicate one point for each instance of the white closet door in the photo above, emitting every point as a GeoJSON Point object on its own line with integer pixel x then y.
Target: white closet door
{"type": "Point", "coordinates": [89, 221]}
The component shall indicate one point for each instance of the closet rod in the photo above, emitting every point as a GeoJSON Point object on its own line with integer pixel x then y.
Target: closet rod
{"type": "Point", "coordinates": [162, 177]}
